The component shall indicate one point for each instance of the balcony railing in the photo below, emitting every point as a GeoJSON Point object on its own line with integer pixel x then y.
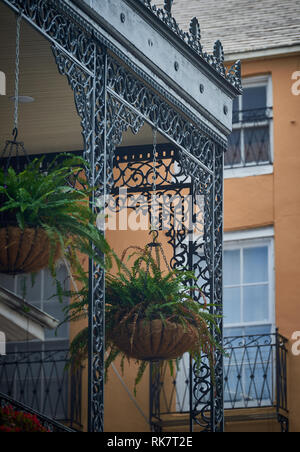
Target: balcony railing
{"type": "Point", "coordinates": [42, 381]}
{"type": "Point", "coordinates": [255, 376]}
{"type": "Point", "coordinates": [255, 371]}
{"type": "Point", "coordinates": [250, 143]}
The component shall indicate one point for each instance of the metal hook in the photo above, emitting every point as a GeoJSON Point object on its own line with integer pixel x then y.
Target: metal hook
{"type": "Point", "coordinates": [155, 234]}
{"type": "Point", "coordinates": [15, 133]}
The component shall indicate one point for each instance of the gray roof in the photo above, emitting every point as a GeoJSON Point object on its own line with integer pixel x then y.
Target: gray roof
{"type": "Point", "coordinates": [241, 25]}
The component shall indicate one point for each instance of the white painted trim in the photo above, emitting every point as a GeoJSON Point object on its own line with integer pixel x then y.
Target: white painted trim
{"type": "Point", "coordinates": [249, 234]}
{"type": "Point", "coordinates": [271, 123]}
{"type": "Point", "coordinates": [257, 80]}
{"type": "Point", "coordinates": [247, 171]}
{"type": "Point", "coordinates": [2, 343]}
{"type": "Point", "coordinates": [263, 53]}
{"type": "Point", "coordinates": [17, 305]}
{"type": "Point", "coordinates": [253, 238]}
{"type": "Point", "coordinates": [19, 326]}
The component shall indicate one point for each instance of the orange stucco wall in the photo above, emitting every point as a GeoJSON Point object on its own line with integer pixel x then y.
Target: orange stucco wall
{"type": "Point", "coordinates": [275, 200]}
{"type": "Point", "coordinates": [287, 219]}
{"type": "Point", "coordinates": [248, 202]}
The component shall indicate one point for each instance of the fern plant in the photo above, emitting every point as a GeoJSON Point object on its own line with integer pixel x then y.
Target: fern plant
{"type": "Point", "coordinates": [46, 199]}
{"type": "Point", "coordinates": [143, 292]}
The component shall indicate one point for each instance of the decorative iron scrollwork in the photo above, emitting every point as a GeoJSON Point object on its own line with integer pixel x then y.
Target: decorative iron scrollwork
{"type": "Point", "coordinates": [110, 100]}
{"type": "Point", "coordinates": [153, 108]}
{"type": "Point", "coordinates": [59, 28]}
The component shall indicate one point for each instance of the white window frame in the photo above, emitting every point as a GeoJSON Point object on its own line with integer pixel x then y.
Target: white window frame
{"type": "Point", "coordinates": [236, 240]}
{"type": "Point", "coordinates": [255, 170]}
{"type": "Point", "coordinates": [248, 239]}
{"type": "Point", "coordinates": [251, 239]}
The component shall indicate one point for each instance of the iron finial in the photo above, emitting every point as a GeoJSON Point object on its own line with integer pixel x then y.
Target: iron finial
{"type": "Point", "coordinates": [195, 29]}
{"type": "Point", "coordinates": [219, 51]}
{"type": "Point", "coordinates": [168, 5]}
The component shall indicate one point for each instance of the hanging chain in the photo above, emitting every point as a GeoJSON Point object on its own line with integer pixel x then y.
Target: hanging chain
{"type": "Point", "coordinates": [14, 149]}
{"type": "Point", "coordinates": [17, 78]}
{"type": "Point", "coordinates": [154, 226]}
{"type": "Point", "coordinates": [154, 162]}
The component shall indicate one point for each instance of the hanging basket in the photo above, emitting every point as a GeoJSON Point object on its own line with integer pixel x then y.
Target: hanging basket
{"type": "Point", "coordinates": [155, 340]}
{"type": "Point", "coordinates": [24, 251]}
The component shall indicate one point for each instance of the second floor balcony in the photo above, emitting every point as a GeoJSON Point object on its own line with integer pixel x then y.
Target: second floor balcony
{"type": "Point", "coordinates": [250, 143]}
{"type": "Point", "coordinates": [255, 385]}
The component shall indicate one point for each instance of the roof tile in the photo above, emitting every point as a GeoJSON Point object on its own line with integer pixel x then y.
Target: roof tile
{"type": "Point", "coordinates": [241, 25]}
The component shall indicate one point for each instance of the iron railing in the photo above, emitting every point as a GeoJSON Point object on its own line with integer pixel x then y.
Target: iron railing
{"type": "Point", "coordinates": [255, 376]}
{"type": "Point", "coordinates": [255, 371]}
{"type": "Point", "coordinates": [250, 143]}
{"type": "Point", "coordinates": [43, 381]}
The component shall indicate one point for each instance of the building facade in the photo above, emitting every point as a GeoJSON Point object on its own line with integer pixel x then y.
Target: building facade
{"type": "Point", "coordinates": [106, 86]}
{"type": "Point", "coordinates": [257, 380]}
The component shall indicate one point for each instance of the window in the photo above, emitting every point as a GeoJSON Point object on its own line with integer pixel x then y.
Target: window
{"type": "Point", "coordinates": [248, 287]}
{"type": "Point", "coordinates": [249, 315]}
{"type": "Point", "coordinates": [250, 144]}
{"type": "Point", "coordinates": [35, 372]}
{"type": "Point", "coordinates": [248, 323]}
{"type": "Point", "coordinates": [40, 295]}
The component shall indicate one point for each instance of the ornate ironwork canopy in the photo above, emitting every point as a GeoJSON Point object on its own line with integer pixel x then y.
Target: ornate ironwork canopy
{"type": "Point", "coordinates": [129, 65]}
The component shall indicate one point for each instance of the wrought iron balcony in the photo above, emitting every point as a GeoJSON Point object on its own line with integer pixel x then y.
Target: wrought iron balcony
{"type": "Point", "coordinates": [250, 143]}
{"type": "Point", "coordinates": [42, 381]}
{"type": "Point", "coordinates": [255, 372]}
{"type": "Point", "coordinates": [255, 377]}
